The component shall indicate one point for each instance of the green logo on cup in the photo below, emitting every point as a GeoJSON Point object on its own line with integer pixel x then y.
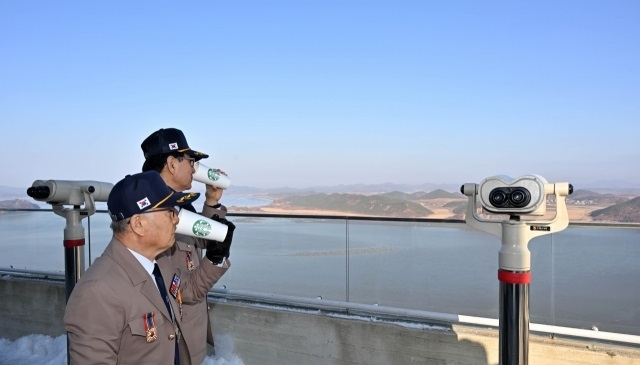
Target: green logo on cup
{"type": "Point", "coordinates": [201, 228]}
{"type": "Point", "coordinates": [213, 175]}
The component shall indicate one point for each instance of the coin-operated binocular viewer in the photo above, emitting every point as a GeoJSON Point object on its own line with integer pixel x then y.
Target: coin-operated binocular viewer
{"type": "Point", "coordinates": [526, 195]}
{"type": "Point", "coordinates": [81, 197]}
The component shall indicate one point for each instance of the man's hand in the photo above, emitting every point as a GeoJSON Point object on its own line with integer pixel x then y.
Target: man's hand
{"type": "Point", "coordinates": [213, 194]}
{"type": "Point", "coordinates": [217, 251]}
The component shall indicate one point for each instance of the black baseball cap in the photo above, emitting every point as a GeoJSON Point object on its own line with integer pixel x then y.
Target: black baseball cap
{"type": "Point", "coordinates": [141, 192]}
{"type": "Point", "coordinates": [166, 140]}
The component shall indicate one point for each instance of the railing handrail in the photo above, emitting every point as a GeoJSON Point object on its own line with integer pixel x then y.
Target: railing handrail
{"type": "Point", "coordinates": [361, 218]}
{"type": "Point", "coordinates": [43, 275]}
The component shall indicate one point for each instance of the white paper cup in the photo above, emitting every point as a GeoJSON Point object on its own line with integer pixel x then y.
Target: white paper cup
{"type": "Point", "coordinates": [195, 225]}
{"type": "Point", "coordinates": [209, 176]}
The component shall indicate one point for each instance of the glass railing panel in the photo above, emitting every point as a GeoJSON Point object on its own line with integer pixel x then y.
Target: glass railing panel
{"type": "Point", "coordinates": [542, 287]}
{"type": "Point", "coordinates": [423, 266]}
{"type": "Point", "coordinates": [31, 240]}
{"type": "Point", "coordinates": [97, 235]}
{"type": "Point", "coordinates": [287, 256]}
{"type": "Point", "coordinates": [34, 240]}
{"type": "Point", "coordinates": [587, 277]}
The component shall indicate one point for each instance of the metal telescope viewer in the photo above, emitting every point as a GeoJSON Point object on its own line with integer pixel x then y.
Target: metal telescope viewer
{"type": "Point", "coordinates": [526, 195]}
{"type": "Point", "coordinates": [59, 193]}
{"type": "Point", "coordinates": [81, 195]}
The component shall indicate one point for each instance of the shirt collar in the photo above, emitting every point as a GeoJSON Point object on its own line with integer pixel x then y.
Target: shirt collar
{"type": "Point", "coordinates": [145, 262]}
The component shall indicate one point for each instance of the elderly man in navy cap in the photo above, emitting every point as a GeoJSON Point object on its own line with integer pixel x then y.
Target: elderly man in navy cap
{"type": "Point", "coordinates": [167, 152]}
{"type": "Point", "coordinates": [123, 310]}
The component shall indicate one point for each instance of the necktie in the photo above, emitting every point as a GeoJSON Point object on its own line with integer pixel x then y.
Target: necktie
{"type": "Point", "coordinates": [165, 299]}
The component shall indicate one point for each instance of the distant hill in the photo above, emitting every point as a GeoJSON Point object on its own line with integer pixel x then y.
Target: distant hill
{"type": "Point", "coordinates": [350, 189]}
{"type": "Point", "coordinates": [626, 212]}
{"type": "Point", "coordinates": [420, 204]}
{"type": "Point", "coordinates": [395, 205]}
{"type": "Point", "coordinates": [441, 194]}
{"type": "Point", "coordinates": [591, 197]}
{"type": "Point", "coordinates": [582, 194]}
{"type": "Point", "coordinates": [17, 204]}
{"type": "Point", "coordinates": [421, 195]}
{"type": "Point", "coordinates": [397, 195]}
{"type": "Point", "coordinates": [460, 212]}
{"type": "Point", "coordinates": [457, 203]}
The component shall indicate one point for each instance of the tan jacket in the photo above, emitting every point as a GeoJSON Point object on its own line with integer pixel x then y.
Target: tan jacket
{"type": "Point", "coordinates": [105, 312]}
{"type": "Point", "coordinates": [196, 327]}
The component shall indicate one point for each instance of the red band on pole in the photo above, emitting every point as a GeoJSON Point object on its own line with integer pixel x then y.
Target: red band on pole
{"type": "Point", "coordinates": [511, 277]}
{"type": "Point", "coordinates": [73, 243]}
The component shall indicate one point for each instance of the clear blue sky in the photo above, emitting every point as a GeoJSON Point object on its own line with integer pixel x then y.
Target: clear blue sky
{"type": "Point", "coordinates": [306, 93]}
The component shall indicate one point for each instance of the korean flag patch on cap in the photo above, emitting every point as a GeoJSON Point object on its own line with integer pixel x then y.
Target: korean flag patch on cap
{"type": "Point", "coordinates": [173, 146]}
{"type": "Point", "coordinates": [143, 203]}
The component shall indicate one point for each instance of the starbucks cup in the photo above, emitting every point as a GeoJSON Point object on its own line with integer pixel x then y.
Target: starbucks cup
{"type": "Point", "coordinates": [209, 176]}
{"type": "Point", "coordinates": [195, 225]}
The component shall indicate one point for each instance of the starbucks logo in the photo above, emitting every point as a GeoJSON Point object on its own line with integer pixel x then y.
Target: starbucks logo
{"type": "Point", "coordinates": [213, 175]}
{"type": "Point", "coordinates": [201, 228]}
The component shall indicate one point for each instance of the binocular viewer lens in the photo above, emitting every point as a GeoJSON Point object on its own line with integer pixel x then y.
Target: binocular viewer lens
{"type": "Point", "coordinates": [43, 192]}
{"type": "Point", "coordinates": [39, 192]}
{"type": "Point", "coordinates": [516, 197]}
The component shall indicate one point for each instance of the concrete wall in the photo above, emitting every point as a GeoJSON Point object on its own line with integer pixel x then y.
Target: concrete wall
{"type": "Point", "coordinates": [31, 306]}
{"type": "Point", "coordinates": [265, 335]}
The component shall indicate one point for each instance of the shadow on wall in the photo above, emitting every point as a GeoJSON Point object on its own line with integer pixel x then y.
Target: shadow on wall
{"type": "Point", "coordinates": [475, 351]}
{"type": "Point", "coordinates": [276, 335]}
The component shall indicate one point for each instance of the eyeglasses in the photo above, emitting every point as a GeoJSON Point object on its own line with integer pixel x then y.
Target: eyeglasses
{"type": "Point", "coordinates": [191, 160]}
{"type": "Point", "coordinates": [174, 211]}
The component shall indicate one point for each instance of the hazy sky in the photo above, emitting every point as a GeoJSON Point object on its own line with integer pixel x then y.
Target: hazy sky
{"type": "Point", "coordinates": [305, 93]}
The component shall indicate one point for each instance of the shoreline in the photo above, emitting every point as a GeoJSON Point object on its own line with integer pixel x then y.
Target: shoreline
{"type": "Point", "coordinates": [576, 213]}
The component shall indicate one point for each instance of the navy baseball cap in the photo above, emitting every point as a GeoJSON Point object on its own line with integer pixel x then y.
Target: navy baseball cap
{"type": "Point", "coordinates": [166, 140]}
{"type": "Point", "coordinates": [141, 192]}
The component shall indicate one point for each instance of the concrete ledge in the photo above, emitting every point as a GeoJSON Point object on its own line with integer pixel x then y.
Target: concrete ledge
{"type": "Point", "coordinates": [31, 306]}
{"type": "Point", "coordinates": [267, 334]}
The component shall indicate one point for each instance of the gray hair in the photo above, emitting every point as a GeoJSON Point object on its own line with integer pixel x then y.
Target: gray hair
{"type": "Point", "coordinates": [120, 227]}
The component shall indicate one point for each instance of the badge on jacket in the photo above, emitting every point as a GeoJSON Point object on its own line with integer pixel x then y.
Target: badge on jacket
{"type": "Point", "coordinates": [150, 327]}
{"type": "Point", "coordinates": [175, 284]}
{"type": "Point", "coordinates": [190, 264]}
{"type": "Point", "coordinates": [174, 289]}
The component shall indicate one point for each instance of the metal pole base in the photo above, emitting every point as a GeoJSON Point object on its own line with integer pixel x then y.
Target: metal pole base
{"type": "Point", "coordinates": [514, 318]}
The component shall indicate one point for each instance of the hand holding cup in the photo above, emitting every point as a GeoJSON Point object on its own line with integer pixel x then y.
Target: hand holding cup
{"type": "Point", "coordinates": [210, 176]}
{"type": "Point", "coordinates": [196, 225]}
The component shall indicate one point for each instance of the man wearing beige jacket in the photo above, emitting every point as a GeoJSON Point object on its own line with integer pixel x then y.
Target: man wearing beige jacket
{"type": "Point", "coordinates": [122, 310]}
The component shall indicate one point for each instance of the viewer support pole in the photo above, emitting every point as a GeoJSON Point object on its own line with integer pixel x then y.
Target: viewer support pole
{"type": "Point", "coordinates": [73, 249]}
{"type": "Point", "coordinates": [515, 276]}
{"type": "Point", "coordinates": [514, 321]}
